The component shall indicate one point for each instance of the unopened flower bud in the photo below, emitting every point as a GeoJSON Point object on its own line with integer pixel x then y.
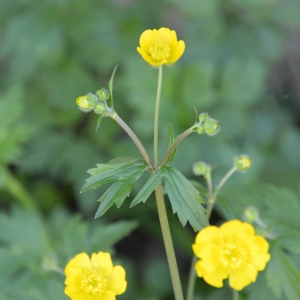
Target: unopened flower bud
{"type": "Point", "coordinates": [86, 103]}
{"type": "Point", "coordinates": [203, 117]}
{"type": "Point", "coordinates": [200, 168]}
{"type": "Point", "coordinates": [242, 162]}
{"type": "Point", "coordinates": [251, 214]}
{"type": "Point", "coordinates": [99, 108]}
{"type": "Point", "coordinates": [211, 127]}
{"type": "Point", "coordinates": [200, 129]}
{"type": "Point", "coordinates": [102, 94]}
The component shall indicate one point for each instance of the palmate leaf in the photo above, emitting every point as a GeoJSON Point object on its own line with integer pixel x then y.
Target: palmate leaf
{"type": "Point", "coordinates": [185, 199]}
{"type": "Point", "coordinates": [123, 172]}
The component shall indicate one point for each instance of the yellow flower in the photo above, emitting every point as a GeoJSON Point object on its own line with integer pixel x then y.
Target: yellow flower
{"type": "Point", "coordinates": [233, 251]}
{"type": "Point", "coordinates": [95, 278]}
{"type": "Point", "coordinates": [160, 47]}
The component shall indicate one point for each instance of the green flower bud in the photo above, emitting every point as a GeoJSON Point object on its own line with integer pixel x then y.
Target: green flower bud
{"type": "Point", "coordinates": [86, 103]}
{"type": "Point", "coordinates": [203, 117]}
{"type": "Point", "coordinates": [251, 214]}
{"type": "Point", "coordinates": [102, 94]}
{"type": "Point", "coordinates": [200, 129]}
{"type": "Point", "coordinates": [200, 168]}
{"type": "Point", "coordinates": [242, 163]}
{"type": "Point", "coordinates": [211, 127]}
{"type": "Point", "coordinates": [100, 108]}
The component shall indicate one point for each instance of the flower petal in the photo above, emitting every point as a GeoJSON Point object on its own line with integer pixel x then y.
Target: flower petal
{"type": "Point", "coordinates": [177, 52]}
{"type": "Point", "coordinates": [216, 279]}
{"type": "Point", "coordinates": [74, 279]}
{"type": "Point", "coordinates": [116, 282]}
{"type": "Point", "coordinates": [81, 260]}
{"type": "Point", "coordinates": [76, 295]}
{"type": "Point", "coordinates": [102, 263]}
{"type": "Point", "coordinates": [168, 36]}
{"type": "Point", "coordinates": [243, 276]}
{"type": "Point", "coordinates": [107, 295]}
{"type": "Point", "coordinates": [148, 37]}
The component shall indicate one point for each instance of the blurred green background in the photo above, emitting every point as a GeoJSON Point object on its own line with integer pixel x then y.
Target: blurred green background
{"type": "Point", "coordinates": [241, 64]}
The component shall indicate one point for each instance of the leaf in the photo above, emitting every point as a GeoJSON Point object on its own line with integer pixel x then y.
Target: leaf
{"type": "Point", "coordinates": [110, 87]}
{"type": "Point", "coordinates": [117, 193]}
{"type": "Point", "coordinates": [148, 188]}
{"type": "Point", "coordinates": [282, 276]}
{"type": "Point", "coordinates": [185, 199]}
{"type": "Point", "coordinates": [113, 171]}
{"type": "Point", "coordinates": [99, 122]}
{"type": "Point", "coordinates": [171, 141]}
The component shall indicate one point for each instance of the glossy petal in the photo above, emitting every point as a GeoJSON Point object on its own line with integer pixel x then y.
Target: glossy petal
{"type": "Point", "coordinates": [216, 278]}
{"type": "Point", "coordinates": [147, 38]}
{"type": "Point", "coordinates": [169, 36]}
{"type": "Point", "coordinates": [102, 263]}
{"type": "Point", "coordinates": [117, 282]}
{"type": "Point", "coordinates": [177, 52]}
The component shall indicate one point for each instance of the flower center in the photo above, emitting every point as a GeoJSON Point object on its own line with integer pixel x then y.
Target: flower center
{"type": "Point", "coordinates": [93, 284]}
{"type": "Point", "coordinates": [232, 255]}
{"type": "Point", "coordinates": [160, 51]}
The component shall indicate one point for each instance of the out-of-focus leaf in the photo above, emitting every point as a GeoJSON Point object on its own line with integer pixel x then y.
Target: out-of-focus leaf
{"type": "Point", "coordinates": [110, 87]}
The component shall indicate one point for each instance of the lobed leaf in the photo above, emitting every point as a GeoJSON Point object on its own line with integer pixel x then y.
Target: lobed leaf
{"type": "Point", "coordinates": [148, 188]}
{"type": "Point", "coordinates": [185, 199]}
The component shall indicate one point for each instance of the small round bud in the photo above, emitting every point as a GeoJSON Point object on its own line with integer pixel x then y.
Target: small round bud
{"type": "Point", "coordinates": [211, 127]}
{"type": "Point", "coordinates": [200, 129]}
{"type": "Point", "coordinates": [242, 162]}
{"type": "Point", "coordinates": [99, 108]}
{"type": "Point", "coordinates": [251, 214]}
{"type": "Point", "coordinates": [86, 103]}
{"type": "Point", "coordinates": [203, 117]}
{"type": "Point", "coordinates": [200, 168]}
{"type": "Point", "coordinates": [102, 94]}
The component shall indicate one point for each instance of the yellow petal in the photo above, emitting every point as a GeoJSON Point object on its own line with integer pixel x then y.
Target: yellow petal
{"type": "Point", "coordinates": [81, 260]}
{"type": "Point", "coordinates": [207, 235]}
{"type": "Point", "coordinates": [148, 37]}
{"type": "Point", "coordinates": [102, 263]}
{"type": "Point", "coordinates": [177, 52]}
{"type": "Point", "coordinates": [216, 279]}
{"type": "Point", "coordinates": [116, 282]}
{"type": "Point", "coordinates": [74, 278]}
{"type": "Point", "coordinates": [149, 59]}
{"type": "Point", "coordinates": [243, 276]}
{"type": "Point", "coordinates": [107, 295]}
{"type": "Point", "coordinates": [168, 36]}
{"type": "Point", "coordinates": [76, 295]}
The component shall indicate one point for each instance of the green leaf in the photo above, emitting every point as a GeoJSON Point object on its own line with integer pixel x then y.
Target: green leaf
{"type": "Point", "coordinates": [118, 169]}
{"type": "Point", "coordinates": [185, 199]}
{"type": "Point", "coordinates": [171, 141]}
{"type": "Point", "coordinates": [282, 276]}
{"type": "Point", "coordinates": [117, 193]}
{"type": "Point", "coordinates": [148, 188]}
{"type": "Point", "coordinates": [99, 122]}
{"type": "Point", "coordinates": [110, 87]}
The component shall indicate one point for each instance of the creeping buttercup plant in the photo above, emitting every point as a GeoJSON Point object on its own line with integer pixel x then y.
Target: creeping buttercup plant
{"type": "Point", "coordinates": [234, 251]}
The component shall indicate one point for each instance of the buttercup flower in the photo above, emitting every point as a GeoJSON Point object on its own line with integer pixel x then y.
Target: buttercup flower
{"type": "Point", "coordinates": [160, 47]}
{"type": "Point", "coordinates": [95, 278]}
{"type": "Point", "coordinates": [233, 251]}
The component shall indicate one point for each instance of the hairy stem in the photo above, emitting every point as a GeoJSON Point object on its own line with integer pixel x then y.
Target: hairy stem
{"type": "Point", "coordinates": [156, 117]}
{"type": "Point", "coordinates": [135, 139]}
{"type": "Point", "coordinates": [175, 144]}
{"type": "Point", "coordinates": [163, 219]}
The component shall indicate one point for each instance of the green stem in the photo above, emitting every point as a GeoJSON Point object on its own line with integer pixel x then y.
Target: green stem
{"type": "Point", "coordinates": [235, 295]}
{"type": "Point", "coordinates": [162, 214]}
{"type": "Point", "coordinates": [135, 139]}
{"type": "Point", "coordinates": [156, 117]}
{"type": "Point", "coordinates": [192, 279]}
{"type": "Point", "coordinates": [15, 187]}
{"type": "Point", "coordinates": [174, 145]}
{"type": "Point", "coordinates": [163, 219]}
{"type": "Point", "coordinates": [225, 178]}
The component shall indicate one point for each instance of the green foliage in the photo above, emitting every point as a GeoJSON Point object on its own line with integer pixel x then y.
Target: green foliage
{"type": "Point", "coordinates": [39, 252]}
{"type": "Point", "coordinates": [124, 170]}
{"type": "Point", "coordinates": [185, 199]}
{"type": "Point", "coordinates": [171, 141]}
